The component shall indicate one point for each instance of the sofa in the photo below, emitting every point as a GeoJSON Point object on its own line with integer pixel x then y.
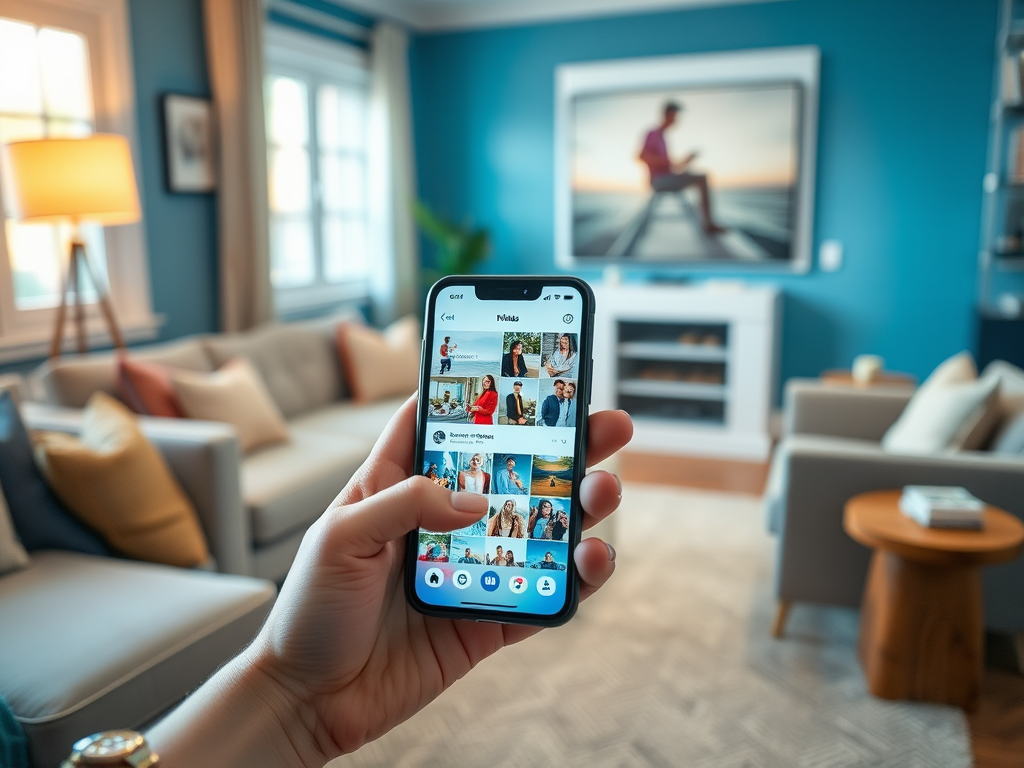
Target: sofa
{"type": "Point", "coordinates": [830, 451]}
{"type": "Point", "coordinates": [90, 643]}
{"type": "Point", "coordinates": [256, 507]}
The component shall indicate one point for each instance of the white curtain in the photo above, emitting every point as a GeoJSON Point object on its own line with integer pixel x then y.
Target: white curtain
{"type": "Point", "coordinates": [394, 256]}
{"type": "Point", "coordinates": [234, 46]}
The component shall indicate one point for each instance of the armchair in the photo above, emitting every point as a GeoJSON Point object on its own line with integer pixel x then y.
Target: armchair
{"type": "Point", "coordinates": [830, 452]}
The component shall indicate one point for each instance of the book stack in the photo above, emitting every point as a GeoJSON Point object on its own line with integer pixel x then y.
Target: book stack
{"type": "Point", "coordinates": [942, 506]}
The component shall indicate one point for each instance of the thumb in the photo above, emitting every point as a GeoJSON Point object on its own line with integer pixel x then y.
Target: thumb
{"type": "Point", "coordinates": [364, 528]}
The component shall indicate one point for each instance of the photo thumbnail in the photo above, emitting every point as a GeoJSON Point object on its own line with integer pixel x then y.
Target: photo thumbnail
{"type": "Point", "coordinates": [507, 516]}
{"type": "Point", "coordinates": [468, 550]}
{"type": "Point", "coordinates": [441, 467]}
{"type": "Point", "coordinates": [549, 519]}
{"type": "Point", "coordinates": [517, 402]}
{"type": "Point", "coordinates": [547, 555]}
{"type": "Point", "coordinates": [509, 552]}
{"type": "Point", "coordinates": [552, 476]}
{"type": "Point", "coordinates": [474, 473]}
{"type": "Point", "coordinates": [433, 547]}
{"type": "Point", "coordinates": [511, 474]}
{"type": "Point", "coordinates": [520, 355]}
{"type": "Point", "coordinates": [558, 400]}
{"type": "Point", "coordinates": [463, 399]}
{"type": "Point", "coordinates": [466, 353]}
{"type": "Point", "coordinates": [559, 355]}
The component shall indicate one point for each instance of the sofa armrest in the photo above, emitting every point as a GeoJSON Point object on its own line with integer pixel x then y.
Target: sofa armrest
{"type": "Point", "coordinates": [814, 408]}
{"type": "Point", "coordinates": [205, 458]}
{"type": "Point", "coordinates": [819, 562]}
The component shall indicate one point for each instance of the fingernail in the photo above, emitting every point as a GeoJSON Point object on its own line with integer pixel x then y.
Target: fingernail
{"type": "Point", "coordinates": [464, 501]}
{"type": "Point", "coordinates": [611, 552]}
{"type": "Point", "coordinates": [619, 482]}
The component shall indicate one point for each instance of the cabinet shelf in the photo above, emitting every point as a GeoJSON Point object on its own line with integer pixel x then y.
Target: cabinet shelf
{"type": "Point", "coordinates": [666, 350]}
{"type": "Point", "coordinates": [680, 390]}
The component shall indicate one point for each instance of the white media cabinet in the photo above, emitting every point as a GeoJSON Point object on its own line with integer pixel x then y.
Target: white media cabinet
{"type": "Point", "coordinates": [696, 367]}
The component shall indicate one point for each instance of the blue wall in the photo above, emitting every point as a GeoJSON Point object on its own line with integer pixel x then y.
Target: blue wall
{"type": "Point", "coordinates": [181, 229]}
{"type": "Point", "coordinates": [905, 89]}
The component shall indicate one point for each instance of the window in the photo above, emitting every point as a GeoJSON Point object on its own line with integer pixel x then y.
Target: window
{"type": "Point", "coordinates": [65, 71]}
{"type": "Point", "coordinates": [316, 109]}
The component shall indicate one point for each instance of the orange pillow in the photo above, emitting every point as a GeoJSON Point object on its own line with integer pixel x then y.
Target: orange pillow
{"type": "Point", "coordinates": [147, 388]}
{"type": "Point", "coordinates": [380, 364]}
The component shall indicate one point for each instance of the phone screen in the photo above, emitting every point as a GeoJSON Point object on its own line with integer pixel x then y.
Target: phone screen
{"type": "Point", "coordinates": [505, 387]}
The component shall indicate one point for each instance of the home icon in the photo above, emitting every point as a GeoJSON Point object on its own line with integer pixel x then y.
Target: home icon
{"type": "Point", "coordinates": [433, 578]}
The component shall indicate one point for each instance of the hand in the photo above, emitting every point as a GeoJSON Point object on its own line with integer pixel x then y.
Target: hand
{"type": "Point", "coordinates": [343, 656]}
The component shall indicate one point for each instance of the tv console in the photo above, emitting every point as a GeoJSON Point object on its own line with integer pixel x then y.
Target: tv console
{"type": "Point", "coordinates": [695, 366]}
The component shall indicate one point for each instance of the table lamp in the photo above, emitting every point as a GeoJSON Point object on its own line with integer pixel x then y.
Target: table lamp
{"type": "Point", "coordinates": [74, 180]}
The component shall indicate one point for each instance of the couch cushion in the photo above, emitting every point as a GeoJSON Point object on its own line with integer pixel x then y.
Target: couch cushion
{"type": "Point", "coordinates": [115, 480]}
{"type": "Point", "coordinates": [297, 363]}
{"type": "Point", "coordinates": [287, 487]}
{"type": "Point", "coordinates": [12, 553]}
{"type": "Point", "coordinates": [69, 381]}
{"type": "Point", "coordinates": [93, 643]}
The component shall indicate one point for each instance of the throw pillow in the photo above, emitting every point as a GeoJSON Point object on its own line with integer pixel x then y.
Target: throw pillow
{"type": "Point", "coordinates": [1010, 398]}
{"type": "Point", "coordinates": [380, 364]}
{"type": "Point", "coordinates": [236, 395]}
{"type": "Point", "coordinates": [113, 478]}
{"type": "Point", "coordinates": [1011, 439]}
{"type": "Point", "coordinates": [950, 411]}
{"type": "Point", "coordinates": [12, 554]}
{"type": "Point", "coordinates": [39, 518]}
{"type": "Point", "coordinates": [147, 388]}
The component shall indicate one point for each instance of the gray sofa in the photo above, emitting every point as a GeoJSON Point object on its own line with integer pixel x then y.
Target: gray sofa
{"type": "Point", "coordinates": [254, 508]}
{"type": "Point", "coordinates": [830, 452]}
{"type": "Point", "coordinates": [90, 643]}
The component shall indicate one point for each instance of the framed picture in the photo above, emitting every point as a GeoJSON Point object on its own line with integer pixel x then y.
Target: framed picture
{"type": "Point", "coordinates": [189, 145]}
{"type": "Point", "coordinates": [687, 163]}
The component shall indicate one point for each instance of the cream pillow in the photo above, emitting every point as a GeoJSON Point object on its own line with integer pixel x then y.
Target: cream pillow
{"type": "Point", "coordinates": [381, 364]}
{"type": "Point", "coordinates": [952, 410]}
{"type": "Point", "coordinates": [236, 395]}
{"type": "Point", "coordinates": [114, 480]}
{"type": "Point", "coordinates": [12, 554]}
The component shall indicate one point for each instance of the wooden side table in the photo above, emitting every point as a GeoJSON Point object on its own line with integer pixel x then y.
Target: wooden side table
{"type": "Point", "coordinates": [921, 624]}
{"type": "Point", "coordinates": [881, 379]}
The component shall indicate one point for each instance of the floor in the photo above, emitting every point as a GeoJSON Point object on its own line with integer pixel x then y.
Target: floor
{"type": "Point", "coordinates": [997, 728]}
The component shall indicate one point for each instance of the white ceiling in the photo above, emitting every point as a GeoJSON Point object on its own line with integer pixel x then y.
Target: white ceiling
{"type": "Point", "coordinates": [428, 15]}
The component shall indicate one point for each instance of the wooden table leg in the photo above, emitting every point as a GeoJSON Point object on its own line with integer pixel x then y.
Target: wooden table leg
{"type": "Point", "coordinates": [921, 633]}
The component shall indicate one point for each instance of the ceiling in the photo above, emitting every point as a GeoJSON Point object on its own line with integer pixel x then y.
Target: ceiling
{"type": "Point", "coordinates": [428, 15]}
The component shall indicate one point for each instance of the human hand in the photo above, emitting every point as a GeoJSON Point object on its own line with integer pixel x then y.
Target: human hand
{"type": "Point", "coordinates": [342, 649]}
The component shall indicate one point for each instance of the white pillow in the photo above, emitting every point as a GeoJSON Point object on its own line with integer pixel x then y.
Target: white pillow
{"type": "Point", "coordinates": [1009, 402]}
{"type": "Point", "coordinates": [12, 554]}
{"type": "Point", "coordinates": [952, 410]}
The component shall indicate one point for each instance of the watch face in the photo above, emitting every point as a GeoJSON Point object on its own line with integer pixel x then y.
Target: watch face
{"type": "Point", "coordinates": [111, 745]}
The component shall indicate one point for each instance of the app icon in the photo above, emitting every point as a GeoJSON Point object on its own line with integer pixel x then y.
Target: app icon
{"type": "Point", "coordinates": [546, 585]}
{"type": "Point", "coordinates": [490, 581]}
{"type": "Point", "coordinates": [462, 579]}
{"type": "Point", "coordinates": [434, 577]}
{"type": "Point", "coordinates": [567, 319]}
{"type": "Point", "coordinates": [518, 584]}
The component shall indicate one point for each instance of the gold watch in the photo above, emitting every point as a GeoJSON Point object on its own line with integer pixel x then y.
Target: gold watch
{"type": "Point", "coordinates": [112, 749]}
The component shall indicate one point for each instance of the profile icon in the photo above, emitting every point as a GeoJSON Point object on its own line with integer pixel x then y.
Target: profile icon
{"type": "Point", "coordinates": [439, 436]}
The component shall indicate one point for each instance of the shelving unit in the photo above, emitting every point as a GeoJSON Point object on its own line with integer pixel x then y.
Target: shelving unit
{"type": "Point", "coordinates": [695, 367]}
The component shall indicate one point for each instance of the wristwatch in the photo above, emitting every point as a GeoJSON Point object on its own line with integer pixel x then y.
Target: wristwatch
{"type": "Point", "coordinates": [112, 749]}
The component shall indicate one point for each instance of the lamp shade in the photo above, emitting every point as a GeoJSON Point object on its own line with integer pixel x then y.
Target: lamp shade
{"type": "Point", "coordinates": [57, 179]}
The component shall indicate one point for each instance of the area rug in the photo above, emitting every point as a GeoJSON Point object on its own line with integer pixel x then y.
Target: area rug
{"type": "Point", "coordinates": [672, 665]}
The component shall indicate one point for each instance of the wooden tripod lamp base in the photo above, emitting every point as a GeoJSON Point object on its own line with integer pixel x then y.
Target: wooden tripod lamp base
{"type": "Point", "coordinates": [77, 262]}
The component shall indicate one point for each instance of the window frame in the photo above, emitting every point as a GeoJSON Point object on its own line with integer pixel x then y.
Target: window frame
{"type": "Point", "coordinates": [25, 333]}
{"type": "Point", "coordinates": [317, 62]}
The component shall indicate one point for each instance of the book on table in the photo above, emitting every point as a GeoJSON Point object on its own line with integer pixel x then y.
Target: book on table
{"type": "Point", "coordinates": [941, 506]}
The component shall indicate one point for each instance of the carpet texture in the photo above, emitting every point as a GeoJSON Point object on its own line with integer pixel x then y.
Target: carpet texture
{"type": "Point", "coordinates": [671, 664]}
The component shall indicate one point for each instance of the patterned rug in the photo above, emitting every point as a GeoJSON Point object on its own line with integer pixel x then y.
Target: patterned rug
{"type": "Point", "coordinates": [672, 665]}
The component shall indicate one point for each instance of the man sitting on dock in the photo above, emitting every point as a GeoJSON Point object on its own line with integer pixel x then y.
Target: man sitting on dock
{"type": "Point", "coordinates": [667, 176]}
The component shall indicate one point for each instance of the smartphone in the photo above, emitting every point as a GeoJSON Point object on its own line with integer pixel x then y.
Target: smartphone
{"type": "Point", "coordinates": [503, 402]}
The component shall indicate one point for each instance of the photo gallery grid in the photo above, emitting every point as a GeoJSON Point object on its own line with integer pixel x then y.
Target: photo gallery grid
{"type": "Point", "coordinates": [504, 378]}
{"type": "Point", "coordinates": [527, 524]}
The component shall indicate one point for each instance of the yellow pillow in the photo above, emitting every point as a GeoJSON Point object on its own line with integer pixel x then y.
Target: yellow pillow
{"type": "Point", "coordinates": [114, 480]}
{"type": "Point", "coordinates": [380, 364]}
{"type": "Point", "coordinates": [234, 394]}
